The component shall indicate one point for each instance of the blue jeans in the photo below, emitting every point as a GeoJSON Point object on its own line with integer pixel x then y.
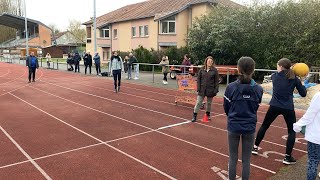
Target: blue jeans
{"type": "Point", "coordinates": [313, 160]}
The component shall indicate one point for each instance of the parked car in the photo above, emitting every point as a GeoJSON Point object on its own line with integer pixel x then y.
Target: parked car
{"type": "Point", "coordinates": [222, 69]}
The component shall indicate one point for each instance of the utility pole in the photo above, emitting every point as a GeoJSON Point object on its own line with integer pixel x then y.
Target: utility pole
{"type": "Point", "coordinates": [26, 28]}
{"type": "Point", "coordinates": [94, 26]}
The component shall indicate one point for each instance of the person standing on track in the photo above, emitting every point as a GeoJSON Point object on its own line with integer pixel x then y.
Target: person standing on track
{"type": "Point", "coordinates": [32, 64]}
{"type": "Point", "coordinates": [117, 67]}
{"type": "Point", "coordinates": [241, 103]}
{"type": "Point", "coordinates": [284, 82]}
{"type": "Point", "coordinates": [311, 119]}
{"type": "Point", "coordinates": [87, 59]}
{"type": "Point", "coordinates": [207, 86]}
{"type": "Point", "coordinates": [97, 63]}
{"type": "Point", "coordinates": [76, 59]}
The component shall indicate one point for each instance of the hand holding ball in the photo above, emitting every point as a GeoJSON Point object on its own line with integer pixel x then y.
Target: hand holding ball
{"type": "Point", "coordinates": [300, 69]}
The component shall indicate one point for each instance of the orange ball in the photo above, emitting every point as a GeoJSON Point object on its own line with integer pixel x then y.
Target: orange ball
{"type": "Point", "coordinates": [300, 69]}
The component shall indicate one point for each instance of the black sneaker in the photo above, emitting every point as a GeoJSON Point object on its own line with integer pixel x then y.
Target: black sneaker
{"type": "Point", "coordinates": [254, 151]}
{"type": "Point", "coordinates": [288, 160]}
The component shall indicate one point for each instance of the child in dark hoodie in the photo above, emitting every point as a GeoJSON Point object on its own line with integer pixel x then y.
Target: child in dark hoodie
{"type": "Point", "coordinates": [241, 103]}
{"type": "Point", "coordinates": [284, 82]}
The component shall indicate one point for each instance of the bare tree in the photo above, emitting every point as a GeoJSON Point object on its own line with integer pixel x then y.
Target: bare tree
{"type": "Point", "coordinates": [76, 29]}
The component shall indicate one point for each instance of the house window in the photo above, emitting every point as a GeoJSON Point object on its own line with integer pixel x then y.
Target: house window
{"type": "Point", "coordinates": [115, 33]}
{"type": "Point", "coordinates": [141, 31]}
{"type": "Point", "coordinates": [133, 31]}
{"type": "Point", "coordinates": [105, 33]}
{"type": "Point", "coordinates": [168, 26]}
{"type": "Point", "coordinates": [146, 30]}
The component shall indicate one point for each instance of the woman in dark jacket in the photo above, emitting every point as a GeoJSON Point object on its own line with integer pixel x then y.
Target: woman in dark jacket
{"type": "Point", "coordinates": [207, 86]}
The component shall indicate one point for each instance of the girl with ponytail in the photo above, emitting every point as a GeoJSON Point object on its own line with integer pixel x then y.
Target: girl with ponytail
{"type": "Point", "coordinates": [241, 103]}
{"type": "Point", "coordinates": [284, 82]}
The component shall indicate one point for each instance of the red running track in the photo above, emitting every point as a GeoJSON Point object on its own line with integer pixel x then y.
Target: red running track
{"type": "Point", "coordinates": [71, 126]}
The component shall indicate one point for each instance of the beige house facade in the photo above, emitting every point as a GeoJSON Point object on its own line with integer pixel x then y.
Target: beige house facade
{"type": "Point", "coordinates": [153, 24]}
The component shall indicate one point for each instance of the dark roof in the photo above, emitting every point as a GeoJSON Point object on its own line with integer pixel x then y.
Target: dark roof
{"type": "Point", "coordinates": [158, 9]}
{"type": "Point", "coordinates": [17, 22]}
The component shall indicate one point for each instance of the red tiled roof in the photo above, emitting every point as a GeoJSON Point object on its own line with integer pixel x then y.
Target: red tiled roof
{"type": "Point", "coordinates": [152, 8]}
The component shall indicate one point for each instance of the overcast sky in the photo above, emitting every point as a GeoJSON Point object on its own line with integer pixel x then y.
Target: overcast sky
{"type": "Point", "coordinates": [60, 12]}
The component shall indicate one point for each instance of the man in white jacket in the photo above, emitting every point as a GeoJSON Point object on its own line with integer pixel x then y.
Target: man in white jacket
{"type": "Point", "coordinates": [311, 120]}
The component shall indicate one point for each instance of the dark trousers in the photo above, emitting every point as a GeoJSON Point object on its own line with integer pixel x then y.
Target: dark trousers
{"type": "Point", "coordinates": [32, 71]}
{"type": "Point", "coordinates": [77, 66]}
{"type": "Point", "coordinates": [116, 76]}
{"type": "Point", "coordinates": [85, 69]}
{"type": "Point", "coordinates": [272, 114]}
{"type": "Point", "coordinates": [165, 76]}
{"type": "Point", "coordinates": [98, 69]}
{"type": "Point", "coordinates": [233, 141]}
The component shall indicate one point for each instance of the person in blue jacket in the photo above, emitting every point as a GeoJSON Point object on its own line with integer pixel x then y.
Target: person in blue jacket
{"type": "Point", "coordinates": [32, 64]}
{"type": "Point", "coordinates": [284, 81]}
{"type": "Point", "coordinates": [241, 103]}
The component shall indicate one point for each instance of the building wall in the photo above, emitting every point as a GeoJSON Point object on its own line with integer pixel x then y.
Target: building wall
{"type": "Point", "coordinates": [125, 41]}
{"type": "Point", "coordinates": [44, 38]}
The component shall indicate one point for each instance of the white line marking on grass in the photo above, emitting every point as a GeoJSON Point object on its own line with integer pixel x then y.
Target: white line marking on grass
{"type": "Point", "coordinates": [26, 154]}
{"type": "Point", "coordinates": [141, 125]}
{"type": "Point", "coordinates": [118, 150]}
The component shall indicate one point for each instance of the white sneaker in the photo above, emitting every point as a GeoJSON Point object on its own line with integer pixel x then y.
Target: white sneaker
{"type": "Point", "coordinates": [319, 174]}
{"type": "Point", "coordinates": [165, 82]}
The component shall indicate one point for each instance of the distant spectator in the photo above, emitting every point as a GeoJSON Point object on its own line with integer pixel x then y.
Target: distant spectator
{"type": "Point", "coordinates": [70, 62]}
{"type": "Point", "coordinates": [87, 58]}
{"type": "Point", "coordinates": [186, 62]}
{"type": "Point", "coordinates": [165, 68]}
{"type": "Point", "coordinates": [125, 63]}
{"type": "Point", "coordinates": [132, 59]}
{"type": "Point", "coordinates": [77, 59]}
{"type": "Point", "coordinates": [96, 59]}
{"type": "Point", "coordinates": [48, 58]}
{"type": "Point", "coordinates": [32, 64]}
{"type": "Point", "coordinates": [117, 67]}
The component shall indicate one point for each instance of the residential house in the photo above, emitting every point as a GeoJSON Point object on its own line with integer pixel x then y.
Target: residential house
{"type": "Point", "coordinates": [156, 24]}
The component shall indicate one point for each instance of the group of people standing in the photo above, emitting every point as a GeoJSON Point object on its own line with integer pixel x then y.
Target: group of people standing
{"type": "Point", "coordinates": [241, 103]}
{"type": "Point", "coordinates": [74, 59]}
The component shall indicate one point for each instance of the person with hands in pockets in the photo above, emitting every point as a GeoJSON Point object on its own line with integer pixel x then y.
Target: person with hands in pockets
{"type": "Point", "coordinates": [207, 86]}
{"type": "Point", "coordinates": [311, 122]}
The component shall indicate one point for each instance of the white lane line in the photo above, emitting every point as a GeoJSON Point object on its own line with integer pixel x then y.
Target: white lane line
{"type": "Point", "coordinates": [14, 78]}
{"type": "Point", "coordinates": [160, 101]}
{"type": "Point", "coordinates": [262, 140]}
{"type": "Point", "coordinates": [101, 97]}
{"type": "Point", "coordinates": [26, 154]}
{"type": "Point", "coordinates": [118, 150]}
{"type": "Point", "coordinates": [127, 104]}
{"type": "Point", "coordinates": [5, 73]}
{"type": "Point", "coordinates": [76, 149]}
{"type": "Point", "coordinates": [173, 125]}
{"type": "Point", "coordinates": [135, 123]}
{"type": "Point", "coordinates": [202, 147]}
